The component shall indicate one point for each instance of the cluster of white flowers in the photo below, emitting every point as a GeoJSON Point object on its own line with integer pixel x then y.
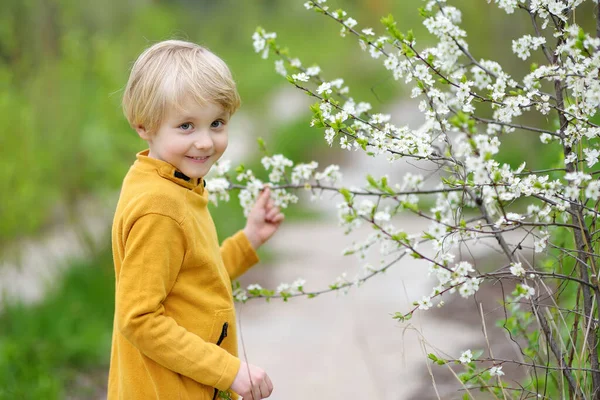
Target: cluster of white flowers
{"type": "Point", "coordinates": [249, 195]}
{"type": "Point", "coordinates": [218, 189]}
{"type": "Point", "coordinates": [291, 289]}
{"type": "Point", "coordinates": [260, 42]}
{"type": "Point", "coordinates": [240, 295]}
{"type": "Point", "coordinates": [455, 278]}
{"type": "Point", "coordinates": [524, 291]}
{"type": "Point", "coordinates": [508, 5]}
{"type": "Point", "coordinates": [301, 77]}
{"type": "Point", "coordinates": [303, 172]}
{"type": "Point", "coordinates": [277, 164]}
{"type": "Point", "coordinates": [311, 4]}
{"type": "Point", "coordinates": [281, 197]}
{"type": "Point", "coordinates": [218, 186]}
{"type": "Point", "coordinates": [331, 174]}
{"type": "Point", "coordinates": [523, 46]}
{"type": "Point", "coordinates": [221, 167]}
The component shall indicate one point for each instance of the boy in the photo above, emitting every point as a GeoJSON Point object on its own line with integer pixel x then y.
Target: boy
{"type": "Point", "coordinates": [174, 334]}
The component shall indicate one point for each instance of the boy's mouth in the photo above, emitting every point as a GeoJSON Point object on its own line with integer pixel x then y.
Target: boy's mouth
{"type": "Point", "coordinates": [198, 158]}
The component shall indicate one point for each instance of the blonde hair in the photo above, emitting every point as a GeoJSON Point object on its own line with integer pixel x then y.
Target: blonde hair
{"type": "Point", "coordinates": [165, 74]}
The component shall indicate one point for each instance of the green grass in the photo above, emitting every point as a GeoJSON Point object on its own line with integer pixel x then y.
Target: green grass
{"type": "Point", "coordinates": [44, 347]}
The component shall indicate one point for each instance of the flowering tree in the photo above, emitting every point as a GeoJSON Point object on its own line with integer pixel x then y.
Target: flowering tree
{"type": "Point", "coordinates": [475, 195]}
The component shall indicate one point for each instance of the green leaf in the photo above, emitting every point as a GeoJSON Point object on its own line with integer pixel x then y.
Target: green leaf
{"type": "Point", "coordinates": [347, 195]}
{"type": "Point", "coordinates": [363, 143]}
{"type": "Point", "coordinates": [423, 12]}
{"type": "Point", "coordinates": [372, 181]}
{"type": "Point", "coordinates": [261, 144]}
{"type": "Point", "coordinates": [408, 51]}
{"type": "Point", "coordinates": [390, 26]}
{"type": "Point", "coordinates": [533, 67]}
{"type": "Point", "coordinates": [400, 236]}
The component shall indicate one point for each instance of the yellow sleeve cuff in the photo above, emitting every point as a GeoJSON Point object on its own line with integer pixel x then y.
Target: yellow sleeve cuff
{"type": "Point", "coordinates": [229, 373]}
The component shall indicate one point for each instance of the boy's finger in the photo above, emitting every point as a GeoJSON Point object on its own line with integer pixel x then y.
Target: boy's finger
{"type": "Point", "coordinates": [271, 214]}
{"type": "Point", "coordinates": [278, 218]}
{"type": "Point", "coordinates": [256, 393]}
{"type": "Point", "coordinates": [263, 197]}
{"type": "Point", "coordinates": [269, 384]}
{"type": "Point", "coordinates": [264, 390]}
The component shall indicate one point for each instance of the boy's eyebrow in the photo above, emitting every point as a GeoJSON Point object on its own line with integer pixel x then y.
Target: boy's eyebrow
{"type": "Point", "coordinates": [223, 114]}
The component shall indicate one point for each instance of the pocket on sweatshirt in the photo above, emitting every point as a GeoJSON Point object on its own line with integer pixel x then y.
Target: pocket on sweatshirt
{"type": "Point", "coordinates": [223, 321]}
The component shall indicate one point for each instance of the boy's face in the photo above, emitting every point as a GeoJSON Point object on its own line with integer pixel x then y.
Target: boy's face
{"type": "Point", "coordinates": [191, 139]}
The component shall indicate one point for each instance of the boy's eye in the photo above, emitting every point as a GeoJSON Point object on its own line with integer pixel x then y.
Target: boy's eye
{"type": "Point", "coordinates": [186, 126]}
{"type": "Point", "coordinates": [216, 124]}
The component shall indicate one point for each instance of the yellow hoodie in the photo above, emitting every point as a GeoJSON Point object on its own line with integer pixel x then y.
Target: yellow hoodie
{"type": "Point", "coordinates": [173, 300]}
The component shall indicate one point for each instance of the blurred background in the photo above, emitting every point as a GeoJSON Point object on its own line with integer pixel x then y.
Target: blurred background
{"type": "Point", "coordinates": [65, 147]}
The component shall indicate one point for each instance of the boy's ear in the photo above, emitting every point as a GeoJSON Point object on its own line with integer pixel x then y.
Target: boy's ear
{"type": "Point", "coordinates": [142, 132]}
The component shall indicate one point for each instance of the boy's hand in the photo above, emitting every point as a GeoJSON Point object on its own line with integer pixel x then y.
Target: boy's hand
{"type": "Point", "coordinates": [252, 383]}
{"type": "Point", "coordinates": [263, 221]}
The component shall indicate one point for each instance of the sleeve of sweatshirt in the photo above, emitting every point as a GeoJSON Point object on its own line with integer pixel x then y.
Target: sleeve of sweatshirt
{"type": "Point", "coordinates": [238, 254]}
{"type": "Point", "coordinates": [154, 252]}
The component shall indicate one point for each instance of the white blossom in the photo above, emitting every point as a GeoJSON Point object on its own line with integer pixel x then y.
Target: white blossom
{"type": "Point", "coordinates": [496, 371]}
{"type": "Point", "coordinates": [591, 156]}
{"type": "Point", "coordinates": [301, 77]}
{"type": "Point", "coordinates": [469, 287]}
{"type": "Point", "coordinates": [329, 135]}
{"type": "Point", "coordinates": [285, 288]}
{"type": "Point", "coordinates": [592, 191]}
{"type": "Point", "coordinates": [524, 291]}
{"type": "Point", "coordinates": [280, 68]}
{"type": "Point", "coordinates": [298, 285]}
{"type": "Point", "coordinates": [517, 270]}
{"type": "Point", "coordinates": [253, 287]}
{"type": "Point", "coordinates": [350, 22]}
{"type": "Point", "coordinates": [425, 303]}
{"type": "Point", "coordinates": [240, 295]}
{"type": "Point", "coordinates": [325, 87]}
{"type": "Point", "coordinates": [466, 357]}
{"type": "Point", "coordinates": [382, 216]}
{"type": "Point", "coordinates": [368, 32]}
{"type": "Point", "coordinates": [313, 71]}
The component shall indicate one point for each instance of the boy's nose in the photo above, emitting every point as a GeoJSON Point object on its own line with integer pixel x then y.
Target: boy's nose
{"type": "Point", "coordinates": [203, 142]}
